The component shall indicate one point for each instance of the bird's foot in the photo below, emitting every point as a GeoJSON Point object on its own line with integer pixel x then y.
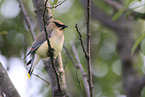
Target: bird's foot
{"type": "Point", "coordinates": [50, 52]}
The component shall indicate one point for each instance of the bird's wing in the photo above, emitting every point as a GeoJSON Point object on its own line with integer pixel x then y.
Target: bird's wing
{"type": "Point", "coordinates": [38, 41]}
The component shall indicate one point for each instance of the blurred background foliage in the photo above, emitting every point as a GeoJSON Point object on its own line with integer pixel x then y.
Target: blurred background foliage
{"type": "Point", "coordinates": [15, 41]}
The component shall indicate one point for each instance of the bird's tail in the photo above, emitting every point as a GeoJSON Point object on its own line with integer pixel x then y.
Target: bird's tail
{"type": "Point", "coordinates": [34, 61]}
{"type": "Point", "coordinates": [27, 55]}
{"type": "Point", "coordinates": [31, 68]}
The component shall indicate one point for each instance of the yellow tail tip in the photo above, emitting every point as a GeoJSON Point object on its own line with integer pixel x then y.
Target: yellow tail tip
{"type": "Point", "coordinates": [28, 75]}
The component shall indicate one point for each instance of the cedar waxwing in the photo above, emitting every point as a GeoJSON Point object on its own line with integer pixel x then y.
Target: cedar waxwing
{"type": "Point", "coordinates": [40, 48]}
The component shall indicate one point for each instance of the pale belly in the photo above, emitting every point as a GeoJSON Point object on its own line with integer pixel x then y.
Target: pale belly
{"type": "Point", "coordinates": [56, 44]}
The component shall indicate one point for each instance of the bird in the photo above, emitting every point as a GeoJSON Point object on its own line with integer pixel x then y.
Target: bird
{"type": "Point", "coordinates": [39, 49]}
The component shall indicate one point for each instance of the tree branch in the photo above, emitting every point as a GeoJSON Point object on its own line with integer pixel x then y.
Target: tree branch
{"type": "Point", "coordinates": [71, 58]}
{"type": "Point", "coordinates": [62, 92]}
{"type": "Point", "coordinates": [88, 48]}
{"type": "Point", "coordinates": [41, 78]}
{"type": "Point", "coordinates": [45, 25]}
{"type": "Point", "coordinates": [77, 68]}
{"type": "Point", "coordinates": [83, 74]}
{"type": "Point", "coordinates": [6, 85]}
{"type": "Point", "coordinates": [39, 10]}
{"type": "Point", "coordinates": [80, 84]}
{"type": "Point", "coordinates": [82, 44]}
{"type": "Point", "coordinates": [27, 19]}
{"type": "Point", "coordinates": [123, 29]}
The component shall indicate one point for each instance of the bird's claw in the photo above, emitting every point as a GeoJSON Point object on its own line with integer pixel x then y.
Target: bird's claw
{"type": "Point", "coordinates": [50, 52]}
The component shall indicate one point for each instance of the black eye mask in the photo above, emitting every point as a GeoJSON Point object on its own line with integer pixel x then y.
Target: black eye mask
{"type": "Point", "coordinates": [60, 25]}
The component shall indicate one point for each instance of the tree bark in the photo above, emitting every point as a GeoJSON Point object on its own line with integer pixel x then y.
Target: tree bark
{"type": "Point", "coordinates": [39, 9]}
{"type": "Point", "coordinates": [6, 85]}
{"type": "Point", "coordinates": [56, 91]}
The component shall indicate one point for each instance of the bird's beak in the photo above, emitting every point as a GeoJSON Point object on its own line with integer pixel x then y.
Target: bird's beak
{"type": "Point", "coordinates": [63, 27]}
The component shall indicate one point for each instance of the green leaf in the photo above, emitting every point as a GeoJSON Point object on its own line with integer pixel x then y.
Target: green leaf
{"type": "Point", "coordinates": [55, 2]}
{"type": "Point", "coordinates": [120, 12]}
{"type": "Point", "coordinates": [59, 1]}
{"type": "Point", "coordinates": [3, 32]}
{"type": "Point", "coordinates": [137, 43]}
{"type": "Point", "coordinates": [51, 3]}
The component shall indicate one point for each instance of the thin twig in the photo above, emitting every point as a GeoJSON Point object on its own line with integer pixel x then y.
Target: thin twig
{"type": "Point", "coordinates": [80, 84]}
{"type": "Point", "coordinates": [71, 58]}
{"type": "Point", "coordinates": [56, 5]}
{"type": "Point", "coordinates": [88, 48]}
{"type": "Point", "coordinates": [45, 25]}
{"type": "Point", "coordinates": [83, 74]}
{"type": "Point", "coordinates": [78, 67]}
{"type": "Point", "coordinates": [82, 44]}
{"type": "Point", "coordinates": [50, 49]}
{"type": "Point", "coordinates": [27, 20]}
{"type": "Point", "coordinates": [41, 78]}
